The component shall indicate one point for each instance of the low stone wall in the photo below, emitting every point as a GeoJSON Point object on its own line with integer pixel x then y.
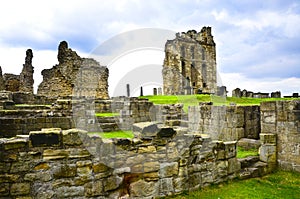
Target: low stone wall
{"type": "Point", "coordinates": [70, 164]}
{"type": "Point", "coordinates": [283, 119]}
{"type": "Point", "coordinates": [11, 127]}
{"type": "Point", "coordinates": [225, 122]}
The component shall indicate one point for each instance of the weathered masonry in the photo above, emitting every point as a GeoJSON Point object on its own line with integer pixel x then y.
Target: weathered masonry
{"type": "Point", "coordinates": [74, 76]}
{"type": "Point", "coordinates": [190, 63]}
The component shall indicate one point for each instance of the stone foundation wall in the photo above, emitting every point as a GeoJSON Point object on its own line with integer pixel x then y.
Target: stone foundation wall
{"type": "Point", "coordinates": [225, 122]}
{"type": "Point", "coordinates": [11, 127]}
{"type": "Point", "coordinates": [283, 119]}
{"type": "Point", "coordinates": [70, 164]}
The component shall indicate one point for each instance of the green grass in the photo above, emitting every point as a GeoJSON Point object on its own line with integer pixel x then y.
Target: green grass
{"type": "Point", "coordinates": [278, 185]}
{"type": "Point", "coordinates": [241, 153]}
{"type": "Point", "coordinates": [193, 100]}
{"type": "Point", "coordinates": [107, 114]}
{"type": "Point", "coordinates": [113, 134]}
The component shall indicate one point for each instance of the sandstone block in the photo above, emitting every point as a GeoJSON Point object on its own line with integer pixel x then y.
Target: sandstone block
{"type": "Point", "coordinates": [267, 138]}
{"type": "Point", "coordinates": [112, 183]}
{"type": "Point", "coordinates": [94, 188]}
{"type": "Point", "coordinates": [55, 154]}
{"type": "Point", "coordinates": [168, 169]}
{"type": "Point", "coordinates": [65, 171]}
{"type": "Point", "coordinates": [234, 165]}
{"type": "Point", "coordinates": [13, 143]}
{"type": "Point", "coordinates": [142, 189]}
{"type": "Point", "coordinates": [267, 153]}
{"type": "Point", "coordinates": [73, 191]}
{"type": "Point", "coordinates": [230, 149]}
{"type": "Point", "coordinates": [74, 136]}
{"type": "Point", "coordinates": [151, 166]}
{"type": "Point", "coordinates": [147, 129]}
{"type": "Point", "coordinates": [20, 189]}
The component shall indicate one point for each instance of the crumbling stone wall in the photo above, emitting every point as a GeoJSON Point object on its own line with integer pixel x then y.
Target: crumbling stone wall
{"type": "Point", "coordinates": [190, 63]}
{"type": "Point", "coordinates": [12, 82]}
{"type": "Point", "coordinates": [225, 122]}
{"type": "Point", "coordinates": [70, 164]}
{"type": "Point", "coordinates": [26, 76]}
{"type": "Point", "coordinates": [74, 76]}
{"type": "Point", "coordinates": [2, 84]}
{"type": "Point", "coordinates": [283, 119]}
{"type": "Point", "coordinates": [24, 81]}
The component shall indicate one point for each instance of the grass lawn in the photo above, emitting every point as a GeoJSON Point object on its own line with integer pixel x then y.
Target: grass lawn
{"type": "Point", "coordinates": [107, 114]}
{"type": "Point", "coordinates": [113, 134]}
{"type": "Point", "coordinates": [241, 153]}
{"type": "Point", "coordinates": [278, 185]}
{"type": "Point", "coordinates": [193, 100]}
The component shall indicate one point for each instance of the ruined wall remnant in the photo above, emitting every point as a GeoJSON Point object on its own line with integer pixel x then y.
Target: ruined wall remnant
{"type": "Point", "coordinates": [26, 76]}
{"type": "Point", "coordinates": [74, 76]}
{"type": "Point", "coordinates": [2, 84]}
{"type": "Point", "coordinates": [24, 81]}
{"type": "Point", "coordinates": [12, 82]}
{"type": "Point", "coordinates": [55, 163]}
{"type": "Point", "coordinates": [190, 63]}
{"type": "Point", "coordinates": [283, 119]}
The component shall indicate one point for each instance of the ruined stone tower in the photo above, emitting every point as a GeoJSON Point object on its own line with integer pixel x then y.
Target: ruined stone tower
{"type": "Point", "coordinates": [26, 76]}
{"type": "Point", "coordinates": [74, 76]}
{"type": "Point", "coordinates": [2, 84]}
{"type": "Point", "coordinates": [190, 63]}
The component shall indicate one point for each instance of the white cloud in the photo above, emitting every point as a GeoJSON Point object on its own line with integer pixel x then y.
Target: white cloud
{"type": "Point", "coordinates": [287, 86]}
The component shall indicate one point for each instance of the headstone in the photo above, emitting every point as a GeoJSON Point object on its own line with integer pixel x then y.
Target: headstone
{"type": "Point", "coordinates": [244, 93]}
{"type": "Point", "coordinates": [141, 91]}
{"type": "Point", "coordinates": [159, 91]}
{"type": "Point", "coordinates": [128, 90]}
{"type": "Point", "coordinates": [236, 92]}
{"type": "Point", "coordinates": [154, 91]}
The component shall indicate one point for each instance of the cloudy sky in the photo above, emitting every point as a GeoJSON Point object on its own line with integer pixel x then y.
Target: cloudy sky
{"type": "Point", "coordinates": [258, 42]}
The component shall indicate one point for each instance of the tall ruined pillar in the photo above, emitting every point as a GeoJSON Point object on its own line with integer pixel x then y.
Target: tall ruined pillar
{"type": "Point", "coordinates": [2, 85]}
{"type": "Point", "coordinates": [26, 76]}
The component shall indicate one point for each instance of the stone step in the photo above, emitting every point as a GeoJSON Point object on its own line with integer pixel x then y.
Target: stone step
{"type": "Point", "coordinates": [248, 161]}
{"type": "Point", "coordinates": [182, 123]}
{"type": "Point", "coordinates": [258, 169]}
{"type": "Point", "coordinates": [102, 120]}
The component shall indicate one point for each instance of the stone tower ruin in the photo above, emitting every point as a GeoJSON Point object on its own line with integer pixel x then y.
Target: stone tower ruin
{"type": "Point", "coordinates": [190, 63]}
{"type": "Point", "coordinates": [74, 76]}
{"type": "Point", "coordinates": [26, 76]}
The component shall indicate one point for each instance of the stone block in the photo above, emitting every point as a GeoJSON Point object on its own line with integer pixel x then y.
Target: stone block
{"type": "Point", "coordinates": [267, 138]}
{"type": "Point", "coordinates": [20, 189]}
{"type": "Point", "coordinates": [10, 178]}
{"type": "Point", "coordinates": [74, 136]}
{"type": "Point", "coordinates": [151, 166]}
{"type": "Point", "coordinates": [39, 176]}
{"type": "Point", "coordinates": [234, 165]}
{"type": "Point", "coordinates": [267, 106]}
{"type": "Point", "coordinates": [247, 143]}
{"type": "Point", "coordinates": [100, 167]}
{"type": "Point", "coordinates": [46, 137]}
{"type": "Point", "coordinates": [166, 186]}
{"type": "Point", "coordinates": [168, 169]}
{"type": "Point", "coordinates": [54, 154]}
{"type": "Point", "coordinates": [14, 143]}
{"type": "Point", "coordinates": [141, 189]}
{"type": "Point", "coordinates": [65, 171]}
{"type": "Point", "coordinates": [112, 183]}
{"type": "Point", "coordinates": [73, 191]}
{"type": "Point", "coordinates": [230, 149]}
{"type": "Point", "coordinates": [4, 189]}
{"type": "Point", "coordinates": [147, 129]}
{"type": "Point", "coordinates": [94, 188]}
{"type": "Point", "coordinates": [267, 153]}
